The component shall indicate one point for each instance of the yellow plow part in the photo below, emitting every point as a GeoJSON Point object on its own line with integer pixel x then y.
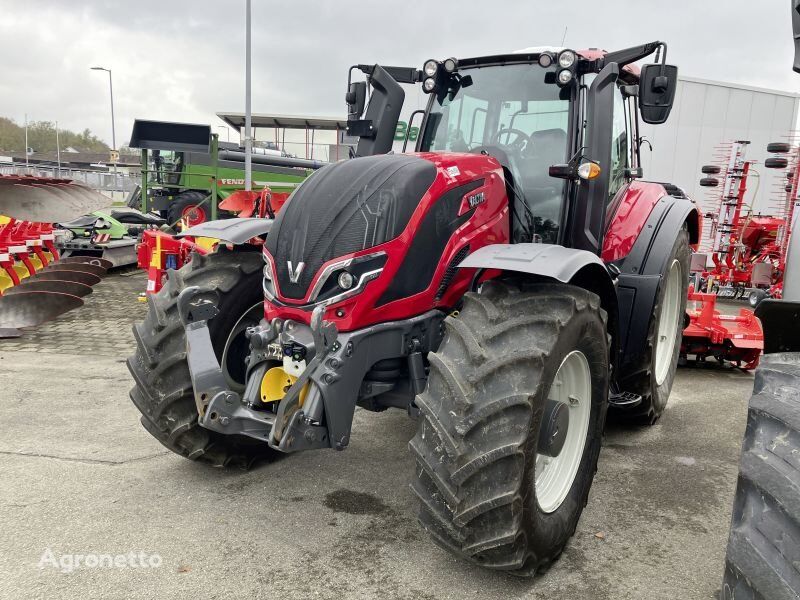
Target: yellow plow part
{"type": "Point", "coordinates": [5, 281]}
{"type": "Point", "coordinates": [22, 270]}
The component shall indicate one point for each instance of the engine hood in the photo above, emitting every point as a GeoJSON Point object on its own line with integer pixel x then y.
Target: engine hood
{"type": "Point", "coordinates": [344, 208]}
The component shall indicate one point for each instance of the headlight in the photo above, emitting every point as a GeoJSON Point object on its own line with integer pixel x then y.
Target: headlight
{"type": "Point", "coordinates": [429, 85]}
{"type": "Point", "coordinates": [430, 67]}
{"type": "Point", "coordinates": [564, 76]}
{"type": "Point", "coordinates": [450, 65]}
{"type": "Point", "coordinates": [566, 59]}
{"type": "Point", "coordinates": [345, 280]}
{"type": "Point", "coordinates": [545, 60]}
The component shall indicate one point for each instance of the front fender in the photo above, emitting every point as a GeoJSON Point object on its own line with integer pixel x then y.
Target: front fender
{"type": "Point", "coordinates": [547, 260]}
{"type": "Point", "coordinates": [550, 261]}
{"type": "Point", "coordinates": [233, 231]}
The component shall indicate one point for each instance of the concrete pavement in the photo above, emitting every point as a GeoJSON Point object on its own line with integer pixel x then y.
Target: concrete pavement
{"type": "Point", "coordinates": [79, 475]}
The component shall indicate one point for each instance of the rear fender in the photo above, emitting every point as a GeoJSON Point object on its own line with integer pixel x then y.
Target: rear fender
{"type": "Point", "coordinates": [556, 263]}
{"type": "Point", "coordinates": [640, 271]}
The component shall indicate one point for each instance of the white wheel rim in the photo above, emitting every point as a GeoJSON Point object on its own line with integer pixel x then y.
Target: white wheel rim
{"type": "Point", "coordinates": [554, 476]}
{"type": "Point", "coordinates": [668, 323]}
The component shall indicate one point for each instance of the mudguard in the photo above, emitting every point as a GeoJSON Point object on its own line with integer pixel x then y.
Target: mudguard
{"type": "Point", "coordinates": [640, 271]}
{"type": "Point", "coordinates": [233, 231]}
{"type": "Point", "coordinates": [547, 260]}
{"type": "Point", "coordinates": [551, 261]}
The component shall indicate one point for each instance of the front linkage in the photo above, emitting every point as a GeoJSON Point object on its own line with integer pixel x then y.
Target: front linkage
{"type": "Point", "coordinates": [317, 408]}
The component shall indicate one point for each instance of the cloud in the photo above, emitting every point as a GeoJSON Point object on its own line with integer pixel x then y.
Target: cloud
{"type": "Point", "coordinates": [184, 60]}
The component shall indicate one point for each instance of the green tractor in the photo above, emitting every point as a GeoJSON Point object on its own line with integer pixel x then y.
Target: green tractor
{"type": "Point", "coordinates": [187, 172]}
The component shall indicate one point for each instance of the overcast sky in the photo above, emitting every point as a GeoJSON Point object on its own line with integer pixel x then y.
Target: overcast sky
{"type": "Point", "coordinates": [183, 60]}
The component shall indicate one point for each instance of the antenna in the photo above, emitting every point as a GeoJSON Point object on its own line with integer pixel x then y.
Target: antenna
{"type": "Point", "coordinates": [564, 37]}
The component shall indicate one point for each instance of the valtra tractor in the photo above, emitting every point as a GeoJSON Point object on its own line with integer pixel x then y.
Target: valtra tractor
{"type": "Point", "coordinates": [505, 285]}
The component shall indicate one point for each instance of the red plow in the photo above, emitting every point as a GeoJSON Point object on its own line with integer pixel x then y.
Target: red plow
{"type": "Point", "coordinates": [35, 286]}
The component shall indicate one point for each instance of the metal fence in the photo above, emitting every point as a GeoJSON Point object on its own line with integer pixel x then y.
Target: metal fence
{"type": "Point", "coordinates": [98, 180]}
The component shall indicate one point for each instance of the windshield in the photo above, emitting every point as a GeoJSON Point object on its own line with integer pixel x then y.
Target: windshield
{"type": "Point", "coordinates": [167, 166]}
{"type": "Point", "coordinates": [512, 114]}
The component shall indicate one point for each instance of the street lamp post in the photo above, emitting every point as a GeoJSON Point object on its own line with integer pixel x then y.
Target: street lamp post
{"type": "Point", "coordinates": [58, 151]}
{"type": "Point", "coordinates": [113, 129]}
{"type": "Point", "coordinates": [248, 136]}
{"type": "Point", "coordinates": [26, 142]}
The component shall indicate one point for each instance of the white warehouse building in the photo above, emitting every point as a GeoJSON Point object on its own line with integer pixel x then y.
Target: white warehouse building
{"type": "Point", "coordinates": [707, 114]}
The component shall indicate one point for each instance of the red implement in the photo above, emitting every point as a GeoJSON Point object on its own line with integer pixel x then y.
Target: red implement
{"type": "Point", "coordinates": [159, 251]}
{"type": "Point", "coordinates": [733, 338]}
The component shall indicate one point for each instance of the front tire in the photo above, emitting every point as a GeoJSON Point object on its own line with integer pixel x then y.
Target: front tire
{"type": "Point", "coordinates": [163, 387]}
{"type": "Point", "coordinates": [478, 439]}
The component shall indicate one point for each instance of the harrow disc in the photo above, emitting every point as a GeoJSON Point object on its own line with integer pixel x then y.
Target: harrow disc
{"type": "Point", "coordinates": [73, 288]}
{"type": "Point", "coordinates": [29, 309]}
{"type": "Point", "coordinates": [88, 260]}
{"type": "Point", "coordinates": [46, 199]}
{"type": "Point", "coordinates": [84, 267]}
{"type": "Point", "coordinates": [64, 275]}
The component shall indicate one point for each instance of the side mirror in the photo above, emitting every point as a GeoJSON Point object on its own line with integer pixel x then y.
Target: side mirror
{"type": "Point", "coordinates": [356, 97]}
{"type": "Point", "coordinates": [657, 84]}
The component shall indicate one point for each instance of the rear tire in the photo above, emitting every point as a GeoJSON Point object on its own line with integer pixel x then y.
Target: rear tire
{"type": "Point", "coordinates": [476, 446]}
{"type": "Point", "coordinates": [190, 204]}
{"type": "Point", "coordinates": [653, 374]}
{"type": "Point", "coordinates": [764, 544]}
{"type": "Point", "coordinates": [163, 388]}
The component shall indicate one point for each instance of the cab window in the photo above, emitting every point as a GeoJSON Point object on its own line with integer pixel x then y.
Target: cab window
{"type": "Point", "coordinates": [620, 145]}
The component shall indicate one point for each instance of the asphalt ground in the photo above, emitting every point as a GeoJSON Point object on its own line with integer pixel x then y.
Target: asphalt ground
{"type": "Point", "coordinates": [80, 476]}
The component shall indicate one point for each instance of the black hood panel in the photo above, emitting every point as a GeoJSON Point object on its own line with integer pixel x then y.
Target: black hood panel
{"type": "Point", "coordinates": [343, 208]}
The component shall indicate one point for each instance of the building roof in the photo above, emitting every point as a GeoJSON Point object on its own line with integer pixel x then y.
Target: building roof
{"type": "Point", "coordinates": [739, 86]}
{"type": "Point", "coordinates": [236, 121]}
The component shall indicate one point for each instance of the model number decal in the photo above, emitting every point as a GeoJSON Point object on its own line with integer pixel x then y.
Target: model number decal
{"type": "Point", "coordinates": [475, 199]}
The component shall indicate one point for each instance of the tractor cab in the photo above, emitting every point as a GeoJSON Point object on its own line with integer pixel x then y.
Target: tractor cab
{"type": "Point", "coordinates": [513, 113]}
{"type": "Point", "coordinates": [166, 166]}
{"type": "Point", "coordinates": [551, 117]}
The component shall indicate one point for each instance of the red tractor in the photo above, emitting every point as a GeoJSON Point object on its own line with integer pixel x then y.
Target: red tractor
{"type": "Point", "coordinates": [505, 285]}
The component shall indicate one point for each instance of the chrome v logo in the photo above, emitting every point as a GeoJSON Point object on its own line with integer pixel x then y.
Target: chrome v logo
{"type": "Point", "coordinates": [294, 273]}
